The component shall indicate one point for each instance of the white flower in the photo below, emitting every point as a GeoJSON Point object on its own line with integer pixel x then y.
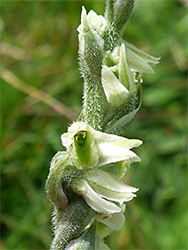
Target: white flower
{"type": "Point", "coordinates": [120, 69]}
{"type": "Point", "coordinates": [92, 25]}
{"type": "Point", "coordinates": [101, 189]}
{"type": "Point", "coordinates": [91, 148]}
{"type": "Point", "coordinates": [96, 22]}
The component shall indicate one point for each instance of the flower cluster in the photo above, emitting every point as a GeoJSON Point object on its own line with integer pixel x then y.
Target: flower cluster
{"type": "Point", "coordinates": [121, 67]}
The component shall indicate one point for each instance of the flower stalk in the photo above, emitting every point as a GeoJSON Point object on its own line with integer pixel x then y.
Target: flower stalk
{"type": "Point", "coordinates": [88, 195]}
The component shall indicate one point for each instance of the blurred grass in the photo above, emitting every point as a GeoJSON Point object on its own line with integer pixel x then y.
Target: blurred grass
{"type": "Point", "coordinates": [39, 47]}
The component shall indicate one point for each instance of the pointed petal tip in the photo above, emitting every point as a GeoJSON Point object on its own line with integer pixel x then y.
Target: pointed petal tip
{"type": "Point", "coordinates": [137, 142]}
{"type": "Point", "coordinates": [83, 9]}
{"type": "Point", "coordinates": [83, 14]}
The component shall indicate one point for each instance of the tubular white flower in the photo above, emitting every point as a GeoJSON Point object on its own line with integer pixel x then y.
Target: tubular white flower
{"type": "Point", "coordinates": [91, 148]}
{"type": "Point", "coordinates": [98, 22]}
{"type": "Point", "coordinates": [101, 189]}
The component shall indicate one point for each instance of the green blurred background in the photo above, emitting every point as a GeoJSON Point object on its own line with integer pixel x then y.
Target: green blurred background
{"type": "Point", "coordinates": [39, 48]}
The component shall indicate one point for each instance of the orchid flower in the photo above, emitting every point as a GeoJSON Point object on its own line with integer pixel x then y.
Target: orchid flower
{"type": "Point", "coordinates": [90, 149]}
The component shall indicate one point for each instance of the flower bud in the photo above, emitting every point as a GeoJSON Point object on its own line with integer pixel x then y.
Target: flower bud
{"type": "Point", "coordinates": [122, 12]}
{"type": "Point", "coordinates": [118, 13]}
{"type": "Point", "coordinates": [90, 42]}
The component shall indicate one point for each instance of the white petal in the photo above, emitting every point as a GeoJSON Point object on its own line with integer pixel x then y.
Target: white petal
{"type": "Point", "coordinates": [101, 245]}
{"type": "Point", "coordinates": [66, 140]}
{"type": "Point", "coordinates": [97, 22]}
{"type": "Point", "coordinates": [119, 197]}
{"type": "Point", "coordinates": [113, 148]}
{"type": "Point", "coordinates": [114, 90]}
{"type": "Point", "coordinates": [115, 222]}
{"type": "Point", "coordinates": [115, 54]}
{"type": "Point", "coordinates": [145, 56]}
{"type": "Point", "coordinates": [110, 153]}
{"type": "Point", "coordinates": [77, 126]}
{"type": "Point", "coordinates": [101, 137]}
{"type": "Point", "coordinates": [137, 63]}
{"type": "Point", "coordinates": [108, 181]}
{"type": "Point", "coordinates": [94, 200]}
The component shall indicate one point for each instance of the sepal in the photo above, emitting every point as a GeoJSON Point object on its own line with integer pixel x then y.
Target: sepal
{"type": "Point", "coordinates": [148, 58]}
{"type": "Point", "coordinates": [93, 199]}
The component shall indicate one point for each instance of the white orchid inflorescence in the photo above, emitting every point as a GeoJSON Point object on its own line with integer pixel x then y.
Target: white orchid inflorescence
{"type": "Point", "coordinates": [85, 183]}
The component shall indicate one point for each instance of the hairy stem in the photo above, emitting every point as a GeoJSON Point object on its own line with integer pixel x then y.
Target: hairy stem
{"type": "Point", "coordinates": [72, 224]}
